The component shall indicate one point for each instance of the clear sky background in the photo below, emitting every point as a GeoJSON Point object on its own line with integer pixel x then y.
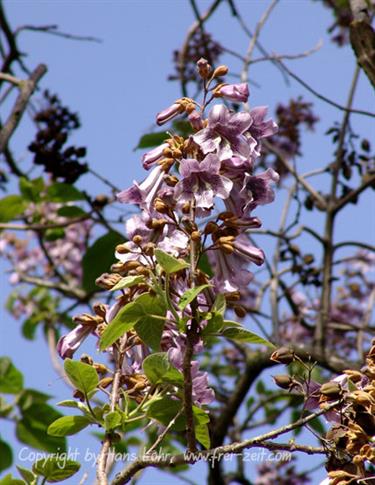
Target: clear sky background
{"type": "Point", "coordinates": [119, 85]}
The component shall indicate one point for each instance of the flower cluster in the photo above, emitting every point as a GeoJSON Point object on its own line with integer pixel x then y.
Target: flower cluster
{"type": "Point", "coordinates": [196, 203]}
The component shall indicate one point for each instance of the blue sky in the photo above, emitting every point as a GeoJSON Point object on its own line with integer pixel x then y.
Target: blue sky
{"type": "Point", "coordinates": [119, 85]}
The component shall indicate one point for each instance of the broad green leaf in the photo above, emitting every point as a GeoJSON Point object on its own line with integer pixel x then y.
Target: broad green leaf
{"type": "Point", "coordinates": [112, 420]}
{"type": "Point", "coordinates": [152, 139]}
{"type": "Point", "coordinates": [146, 312]}
{"type": "Point", "coordinates": [10, 480]}
{"type": "Point", "coordinates": [32, 428]}
{"type": "Point", "coordinates": [127, 282]}
{"type": "Point", "coordinates": [214, 325]}
{"type": "Point", "coordinates": [190, 296]}
{"type": "Point", "coordinates": [68, 425]}
{"type": "Point", "coordinates": [169, 263]}
{"type": "Point", "coordinates": [166, 409]}
{"type": "Point", "coordinates": [83, 376]}
{"type": "Point", "coordinates": [5, 408]}
{"type": "Point", "coordinates": [98, 259]}
{"type": "Point", "coordinates": [26, 474]}
{"type": "Point", "coordinates": [28, 397]}
{"type": "Point", "coordinates": [220, 304]}
{"type": "Point", "coordinates": [243, 335]}
{"type": "Point", "coordinates": [202, 435]}
{"type": "Point", "coordinates": [158, 369]}
{"type": "Point", "coordinates": [56, 469]}
{"type": "Point", "coordinates": [60, 192]}
{"type": "Point", "coordinates": [11, 379]}
{"type": "Point", "coordinates": [69, 403]}
{"type": "Point", "coordinates": [54, 234]}
{"type": "Point", "coordinates": [31, 189]}
{"type": "Point", "coordinates": [71, 211]}
{"type": "Point", "coordinates": [6, 456]}
{"type": "Point", "coordinates": [205, 266]}
{"type": "Point", "coordinates": [11, 206]}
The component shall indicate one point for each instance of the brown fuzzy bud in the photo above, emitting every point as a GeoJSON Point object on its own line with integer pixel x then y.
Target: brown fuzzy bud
{"type": "Point", "coordinates": [107, 280]}
{"type": "Point", "coordinates": [176, 153]}
{"type": "Point", "coordinates": [190, 108]}
{"type": "Point", "coordinates": [240, 311]}
{"type": "Point", "coordinates": [100, 309]}
{"type": "Point", "coordinates": [233, 296]}
{"type": "Point", "coordinates": [283, 381]}
{"type": "Point", "coordinates": [283, 355]}
{"type": "Point", "coordinates": [220, 71]}
{"type": "Point", "coordinates": [100, 368]}
{"type": "Point", "coordinates": [171, 180]}
{"type": "Point", "coordinates": [211, 228]}
{"type": "Point", "coordinates": [195, 236]}
{"type": "Point", "coordinates": [149, 249]}
{"type": "Point", "coordinates": [161, 206]}
{"type": "Point", "coordinates": [122, 249]}
{"type": "Point", "coordinates": [186, 208]}
{"type": "Point", "coordinates": [331, 389]}
{"type": "Point", "coordinates": [167, 152]}
{"type": "Point", "coordinates": [137, 239]}
{"type": "Point", "coordinates": [87, 359]}
{"type": "Point", "coordinates": [225, 215]}
{"type": "Point", "coordinates": [308, 259]}
{"type": "Point", "coordinates": [87, 319]}
{"type": "Point", "coordinates": [204, 68]}
{"type": "Point", "coordinates": [227, 248]}
{"type": "Point", "coordinates": [79, 395]}
{"type": "Point", "coordinates": [354, 375]}
{"type": "Point", "coordinates": [105, 382]}
{"type": "Point", "coordinates": [100, 201]}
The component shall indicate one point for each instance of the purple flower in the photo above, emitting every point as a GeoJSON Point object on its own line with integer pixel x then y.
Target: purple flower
{"type": "Point", "coordinates": [259, 127]}
{"type": "Point", "coordinates": [225, 134]}
{"type": "Point", "coordinates": [243, 248]}
{"type": "Point", "coordinates": [153, 156]}
{"type": "Point", "coordinates": [169, 113]}
{"type": "Point", "coordinates": [195, 120]}
{"type": "Point", "coordinates": [143, 194]}
{"type": "Point", "coordinates": [257, 189]}
{"type": "Point", "coordinates": [68, 344]}
{"type": "Point", "coordinates": [202, 181]}
{"type": "Point", "coordinates": [235, 92]}
{"type": "Point", "coordinates": [229, 271]}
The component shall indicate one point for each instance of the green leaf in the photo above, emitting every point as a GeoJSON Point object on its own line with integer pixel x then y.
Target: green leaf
{"type": "Point", "coordinates": [220, 304]}
{"type": "Point", "coordinates": [158, 369]}
{"type": "Point", "coordinates": [31, 189]}
{"type": "Point", "coordinates": [166, 409]}
{"type": "Point", "coordinates": [71, 211]}
{"type": "Point", "coordinates": [317, 425]}
{"type": "Point", "coordinates": [214, 325]}
{"type": "Point", "coordinates": [152, 139]}
{"type": "Point", "coordinates": [28, 397]}
{"type": "Point", "coordinates": [26, 474]}
{"type": "Point", "coordinates": [204, 265]}
{"type": "Point", "coordinates": [68, 425]}
{"type": "Point", "coordinates": [56, 469]}
{"type": "Point", "coordinates": [32, 428]}
{"type": "Point", "coordinates": [243, 335]}
{"type": "Point", "coordinates": [6, 456]}
{"type": "Point", "coordinates": [169, 263]}
{"type": "Point", "coordinates": [190, 296]}
{"type": "Point", "coordinates": [98, 259]}
{"type": "Point", "coordinates": [112, 420]}
{"type": "Point", "coordinates": [83, 376]}
{"type": "Point", "coordinates": [202, 435]}
{"type": "Point", "coordinates": [146, 313]}
{"type": "Point", "coordinates": [11, 379]}
{"type": "Point", "coordinates": [9, 480]}
{"type": "Point", "coordinates": [127, 282]}
{"type": "Point", "coordinates": [54, 234]}
{"type": "Point", "coordinates": [11, 206]}
{"type": "Point", "coordinates": [60, 192]}
{"type": "Point", "coordinates": [5, 408]}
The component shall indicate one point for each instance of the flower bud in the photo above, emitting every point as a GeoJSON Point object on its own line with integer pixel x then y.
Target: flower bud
{"type": "Point", "coordinates": [169, 113]}
{"type": "Point", "coordinates": [122, 249]}
{"type": "Point", "coordinates": [204, 68]}
{"type": "Point", "coordinates": [240, 311]}
{"type": "Point", "coordinates": [105, 382]}
{"type": "Point", "coordinates": [283, 381]}
{"type": "Point", "coordinates": [87, 319]}
{"type": "Point", "coordinates": [161, 206]}
{"type": "Point", "coordinates": [149, 249]}
{"type": "Point", "coordinates": [211, 227]}
{"type": "Point", "coordinates": [195, 236]}
{"type": "Point", "coordinates": [154, 155]}
{"type": "Point", "coordinates": [331, 389]}
{"type": "Point", "coordinates": [195, 120]}
{"type": "Point", "coordinates": [87, 359]}
{"type": "Point", "coordinates": [171, 180]}
{"type": "Point", "coordinates": [100, 309]}
{"type": "Point", "coordinates": [100, 368]}
{"type": "Point", "coordinates": [107, 280]}
{"type": "Point", "coordinates": [237, 93]}
{"type": "Point", "coordinates": [283, 355]}
{"type": "Point", "coordinates": [220, 71]}
{"type": "Point", "coordinates": [137, 239]}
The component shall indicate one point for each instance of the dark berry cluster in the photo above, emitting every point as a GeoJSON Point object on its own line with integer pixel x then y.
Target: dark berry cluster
{"type": "Point", "coordinates": [50, 149]}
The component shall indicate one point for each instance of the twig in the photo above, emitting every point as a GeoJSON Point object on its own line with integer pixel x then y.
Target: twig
{"type": "Point", "coordinates": [26, 90]}
{"type": "Point", "coordinates": [52, 30]}
{"type": "Point", "coordinates": [217, 453]}
{"type": "Point", "coordinates": [250, 50]}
